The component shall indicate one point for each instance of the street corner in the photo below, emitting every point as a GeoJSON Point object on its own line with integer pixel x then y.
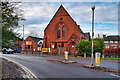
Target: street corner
{"type": "Point", "coordinates": [13, 69]}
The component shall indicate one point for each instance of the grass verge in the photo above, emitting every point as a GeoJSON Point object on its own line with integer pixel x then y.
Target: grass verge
{"type": "Point", "coordinates": [109, 58]}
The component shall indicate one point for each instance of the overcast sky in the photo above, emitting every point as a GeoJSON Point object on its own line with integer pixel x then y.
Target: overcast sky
{"type": "Point", "coordinates": [39, 14]}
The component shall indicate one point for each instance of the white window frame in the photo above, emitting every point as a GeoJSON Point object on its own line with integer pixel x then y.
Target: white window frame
{"type": "Point", "coordinates": [115, 41]}
{"type": "Point", "coordinates": [111, 41]}
{"type": "Point", "coordinates": [105, 41]}
{"type": "Point", "coordinates": [107, 46]}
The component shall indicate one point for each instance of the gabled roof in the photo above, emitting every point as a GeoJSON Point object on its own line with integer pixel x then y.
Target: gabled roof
{"type": "Point", "coordinates": [71, 37]}
{"type": "Point", "coordinates": [36, 39]}
{"type": "Point", "coordinates": [74, 36]}
{"type": "Point", "coordinates": [112, 38]}
{"type": "Point", "coordinates": [60, 12]}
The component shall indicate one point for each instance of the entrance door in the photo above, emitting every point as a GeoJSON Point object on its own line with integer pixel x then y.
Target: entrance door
{"type": "Point", "coordinates": [73, 47]}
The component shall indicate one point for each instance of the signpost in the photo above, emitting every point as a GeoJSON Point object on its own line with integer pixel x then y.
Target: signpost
{"type": "Point", "coordinates": [97, 56]}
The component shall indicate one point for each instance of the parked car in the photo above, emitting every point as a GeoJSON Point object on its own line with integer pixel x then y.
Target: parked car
{"type": "Point", "coordinates": [7, 51]}
{"type": "Point", "coordinates": [4, 50]}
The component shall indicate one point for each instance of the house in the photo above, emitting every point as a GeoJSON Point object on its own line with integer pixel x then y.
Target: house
{"type": "Point", "coordinates": [32, 44]}
{"type": "Point", "coordinates": [112, 45]}
{"type": "Point", "coordinates": [112, 41]}
{"type": "Point", "coordinates": [62, 33]}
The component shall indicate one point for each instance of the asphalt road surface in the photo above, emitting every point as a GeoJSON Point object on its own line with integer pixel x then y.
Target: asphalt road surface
{"type": "Point", "coordinates": [44, 69]}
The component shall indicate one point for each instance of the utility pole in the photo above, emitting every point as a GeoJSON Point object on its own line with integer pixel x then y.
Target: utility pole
{"type": "Point", "coordinates": [93, 8]}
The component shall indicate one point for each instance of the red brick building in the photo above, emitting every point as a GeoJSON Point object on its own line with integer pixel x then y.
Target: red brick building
{"type": "Point", "coordinates": [32, 44]}
{"type": "Point", "coordinates": [62, 31]}
{"type": "Point", "coordinates": [112, 45]}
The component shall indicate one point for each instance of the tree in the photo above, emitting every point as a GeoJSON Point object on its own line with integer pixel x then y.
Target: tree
{"type": "Point", "coordinates": [99, 45]}
{"type": "Point", "coordinates": [11, 15]}
{"type": "Point", "coordinates": [84, 46]}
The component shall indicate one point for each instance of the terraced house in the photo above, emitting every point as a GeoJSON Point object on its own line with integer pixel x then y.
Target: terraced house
{"type": "Point", "coordinates": [112, 45]}
{"type": "Point", "coordinates": [62, 33]}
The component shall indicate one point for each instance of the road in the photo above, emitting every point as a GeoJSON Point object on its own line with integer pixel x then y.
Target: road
{"type": "Point", "coordinates": [44, 69]}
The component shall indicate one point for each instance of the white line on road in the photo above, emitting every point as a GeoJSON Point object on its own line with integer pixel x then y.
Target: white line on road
{"type": "Point", "coordinates": [115, 75]}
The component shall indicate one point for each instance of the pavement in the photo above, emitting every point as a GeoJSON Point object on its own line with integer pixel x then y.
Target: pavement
{"type": "Point", "coordinates": [45, 69]}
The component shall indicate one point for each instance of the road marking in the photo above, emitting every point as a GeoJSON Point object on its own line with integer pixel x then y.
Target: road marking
{"type": "Point", "coordinates": [32, 75]}
{"type": "Point", "coordinates": [115, 75]}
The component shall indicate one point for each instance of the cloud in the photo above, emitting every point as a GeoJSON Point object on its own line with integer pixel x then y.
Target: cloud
{"type": "Point", "coordinates": [104, 12]}
{"type": "Point", "coordinates": [38, 10]}
{"type": "Point", "coordinates": [103, 28]}
{"type": "Point", "coordinates": [38, 28]}
{"type": "Point", "coordinates": [64, 0]}
{"type": "Point", "coordinates": [39, 14]}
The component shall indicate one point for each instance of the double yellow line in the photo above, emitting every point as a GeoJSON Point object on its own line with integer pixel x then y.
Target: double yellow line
{"type": "Point", "coordinates": [32, 75]}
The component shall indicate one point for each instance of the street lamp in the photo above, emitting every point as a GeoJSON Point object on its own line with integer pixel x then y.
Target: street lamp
{"type": "Point", "coordinates": [23, 39]}
{"type": "Point", "coordinates": [93, 8]}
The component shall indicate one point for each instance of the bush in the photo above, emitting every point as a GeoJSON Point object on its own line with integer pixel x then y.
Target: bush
{"type": "Point", "coordinates": [111, 52]}
{"type": "Point", "coordinates": [98, 45]}
{"type": "Point", "coordinates": [84, 46]}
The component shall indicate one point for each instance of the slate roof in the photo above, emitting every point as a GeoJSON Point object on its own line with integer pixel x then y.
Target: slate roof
{"type": "Point", "coordinates": [82, 33]}
{"type": "Point", "coordinates": [36, 39]}
{"type": "Point", "coordinates": [87, 35]}
{"type": "Point", "coordinates": [112, 38]}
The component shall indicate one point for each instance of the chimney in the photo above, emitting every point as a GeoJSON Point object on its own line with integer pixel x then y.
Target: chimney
{"type": "Point", "coordinates": [104, 36]}
{"type": "Point", "coordinates": [98, 36]}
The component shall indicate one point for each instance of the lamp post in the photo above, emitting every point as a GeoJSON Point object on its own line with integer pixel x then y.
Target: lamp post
{"type": "Point", "coordinates": [23, 39]}
{"type": "Point", "coordinates": [93, 8]}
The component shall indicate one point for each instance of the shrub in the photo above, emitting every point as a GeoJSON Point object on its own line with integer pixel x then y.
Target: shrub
{"type": "Point", "coordinates": [84, 46]}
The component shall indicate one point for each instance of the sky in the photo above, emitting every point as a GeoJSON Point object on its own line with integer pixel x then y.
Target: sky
{"type": "Point", "coordinates": [39, 14]}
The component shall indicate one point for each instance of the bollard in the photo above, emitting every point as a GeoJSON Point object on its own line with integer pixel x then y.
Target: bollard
{"type": "Point", "coordinates": [84, 55]}
{"type": "Point", "coordinates": [66, 56]}
{"type": "Point", "coordinates": [97, 56]}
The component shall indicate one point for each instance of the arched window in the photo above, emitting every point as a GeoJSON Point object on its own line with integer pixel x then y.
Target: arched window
{"type": "Point", "coordinates": [63, 32]}
{"type": "Point", "coordinates": [58, 32]}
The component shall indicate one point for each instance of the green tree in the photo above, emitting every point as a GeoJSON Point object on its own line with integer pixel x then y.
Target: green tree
{"type": "Point", "coordinates": [98, 45]}
{"type": "Point", "coordinates": [11, 15]}
{"type": "Point", "coordinates": [84, 46]}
